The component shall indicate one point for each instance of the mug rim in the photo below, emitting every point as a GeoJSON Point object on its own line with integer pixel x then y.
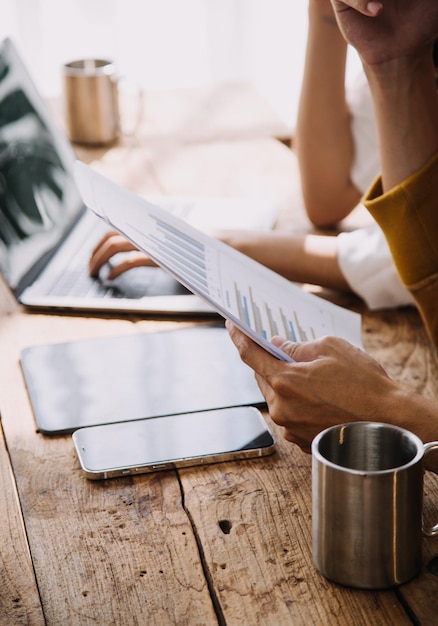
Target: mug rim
{"type": "Point", "coordinates": [101, 66]}
{"type": "Point", "coordinates": [317, 455]}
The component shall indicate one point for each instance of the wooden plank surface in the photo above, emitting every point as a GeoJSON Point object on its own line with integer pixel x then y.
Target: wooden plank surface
{"type": "Point", "coordinates": [254, 521]}
{"type": "Point", "coordinates": [19, 599]}
{"type": "Point", "coordinates": [251, 518]}
{"type": "Point", "coordinates": [126, 551]}
{"type": "Point", "coordinates": [114, 552]}
{"type": "Point", "coordinates": [421, 594]}
{"type": "Point", "coordinates": [227, 544]}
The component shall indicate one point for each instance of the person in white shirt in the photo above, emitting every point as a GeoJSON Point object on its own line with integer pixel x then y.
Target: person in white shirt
{"type": "Point", "coordinates": [338, 155]}
{"type": "Point", "coordinates": [336, 145]}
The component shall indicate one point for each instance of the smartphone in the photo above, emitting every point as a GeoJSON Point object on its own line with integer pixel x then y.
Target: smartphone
{"type": "Point", "coordinates": [172, 441]}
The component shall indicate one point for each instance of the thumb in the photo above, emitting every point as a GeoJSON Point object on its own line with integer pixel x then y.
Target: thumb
{"type": "Point", "coordinates": [291, 348]}
{"type": "Point", "coordinates": [300, 351]}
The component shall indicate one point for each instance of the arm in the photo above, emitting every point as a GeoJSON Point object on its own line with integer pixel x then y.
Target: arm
{"type": "Point", "coordinates": [407, 214]}
{"type": "Point", "coordinates": [323, 137]}
{"type": "Point", "coordinates": [396, 50]}
{"type": "Point", "coordinates": [301, 258]}
{"type": "Point", "coordinates": [395, 42]}
{"type": "Point", "coordinates": [332, 382]}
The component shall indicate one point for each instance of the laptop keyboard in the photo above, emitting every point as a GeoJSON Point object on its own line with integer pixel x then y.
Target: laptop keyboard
{"type": "Point", "coordinates": [78, 284]}
{"type": "Point", "coordinates": [70, 278]}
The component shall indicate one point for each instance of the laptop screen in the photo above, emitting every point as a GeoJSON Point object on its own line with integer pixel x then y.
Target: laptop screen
{"type": "Point", "coordinates": [38, 197]}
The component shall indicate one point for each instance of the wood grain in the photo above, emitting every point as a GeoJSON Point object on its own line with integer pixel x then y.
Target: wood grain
{"type": "Point", "coordinates": [19, 599]}
{"type": "Point", "coordinates": [108, 552]}
{"type": "Point", "coordinates": [254, 521]}
{"type": "Point", "coordinates": [224, 544]}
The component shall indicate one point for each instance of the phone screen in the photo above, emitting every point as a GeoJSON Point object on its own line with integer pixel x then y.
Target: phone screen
{"type": "Point", "coordinates": [172, 441]}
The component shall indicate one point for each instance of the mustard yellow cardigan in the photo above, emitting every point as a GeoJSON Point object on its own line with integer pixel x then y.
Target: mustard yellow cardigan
{"type": "Point", "coordinates": [408, 215]}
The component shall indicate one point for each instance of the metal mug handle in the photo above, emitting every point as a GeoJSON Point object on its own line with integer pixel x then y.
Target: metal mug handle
{"type": "Point", "coordinates": [430, 531]}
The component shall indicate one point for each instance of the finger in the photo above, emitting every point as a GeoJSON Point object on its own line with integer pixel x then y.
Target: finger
{"type": "Point", "coordinates": [304, 444]}
{"type": "Point", "coordinates": [107, 249]}
{"type": "Point", "coordinates": [260, 360]}
{"type": "Point", "coordinates": [372, 8]}
{"type": "Point", "coordinates": [251, 353]}
{"type": "Point", "coordinates": [135, 259]}
{"type": "Point", "coordinates": [265, 388]}
{"type": "Point", "coordinates": [306, 351]}
{"type": "Point", "coordinates": [106, 236]}
{"type": "Point", "coordinates": [300, 351]}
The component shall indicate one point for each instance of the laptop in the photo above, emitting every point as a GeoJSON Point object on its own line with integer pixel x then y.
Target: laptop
{"type": "Point", "coordinates": [47, 234]}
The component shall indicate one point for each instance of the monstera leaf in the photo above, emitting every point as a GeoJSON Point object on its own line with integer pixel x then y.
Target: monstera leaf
{"type": "Point", "coordinates": [30, 169]}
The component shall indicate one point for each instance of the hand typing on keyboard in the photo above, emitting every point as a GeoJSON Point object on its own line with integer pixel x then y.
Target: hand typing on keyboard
{"type": "Point", "coordinates": [108, 251]}
{"type": "Point", "coordinates": [140, 281]}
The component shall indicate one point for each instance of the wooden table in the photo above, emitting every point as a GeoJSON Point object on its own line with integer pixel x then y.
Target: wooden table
{"type": "Point", "coordinates": [225, 544]}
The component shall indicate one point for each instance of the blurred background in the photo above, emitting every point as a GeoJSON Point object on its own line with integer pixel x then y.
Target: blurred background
{"type": "Point", "coordinates": [166, 44]}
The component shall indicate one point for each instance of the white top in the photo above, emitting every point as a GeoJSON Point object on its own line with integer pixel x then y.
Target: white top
{"type": "Point", "coordinates": [363, 255]}
{"type": "Point", "coordinates": [366, 262]}
{"type": "Point", "coordinates": [366, 165]}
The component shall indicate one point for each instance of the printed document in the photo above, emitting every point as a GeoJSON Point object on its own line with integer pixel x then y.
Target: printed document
{"type": "Point", "coordinates": [259, 301]}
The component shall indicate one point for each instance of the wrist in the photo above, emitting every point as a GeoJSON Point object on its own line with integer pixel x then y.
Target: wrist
{"type": "Point", "coordinates": [322, 10]}
{"type": "Point", "coordinates": [322, 21]}
{"type": "Point", "coordinates": [414, 412]}
{"type": "Point", "coordinates": [324, 37]}
{"type": "Point", "coordinates": [399, 72]}
{"type": "Point", "coordinates": [406, 108]}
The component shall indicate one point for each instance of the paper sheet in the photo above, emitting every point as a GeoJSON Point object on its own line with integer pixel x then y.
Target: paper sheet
{"type": "Point", "coordinates": [259, 301]}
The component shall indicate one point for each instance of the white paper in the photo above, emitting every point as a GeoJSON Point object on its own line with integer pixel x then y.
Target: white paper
{"type": "Point", "coordinates": [259, 301]}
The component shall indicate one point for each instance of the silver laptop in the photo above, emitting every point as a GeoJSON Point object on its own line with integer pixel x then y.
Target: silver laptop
{"type": "Point", "coordinates": [47, 234]}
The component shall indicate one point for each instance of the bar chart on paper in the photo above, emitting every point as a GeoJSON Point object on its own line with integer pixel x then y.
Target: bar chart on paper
{"type": "Point", "coordinates": [260, 301]}
{"type": "Point", "coordinates": [265, 302]}
{"type": "Point", "coordinates": [181, 251]}
{"type": "Point", "coordinates": [286, 326]}
{"type": "Point", "coordinates": [271, 305]}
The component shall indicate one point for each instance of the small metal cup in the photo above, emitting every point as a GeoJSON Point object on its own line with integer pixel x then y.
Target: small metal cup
{"type": "Point", "coordinates": [367, 504]}
{"type": "Point", "coordinates": [91, 101]}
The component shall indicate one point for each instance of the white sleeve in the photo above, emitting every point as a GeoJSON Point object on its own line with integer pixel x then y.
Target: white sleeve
{"type": "Point", "coordinates": [366, 165]}
{"type": "Point", "coordinates": [366, 263]}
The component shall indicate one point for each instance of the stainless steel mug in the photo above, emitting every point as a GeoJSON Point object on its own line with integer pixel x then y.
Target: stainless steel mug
{"type": "Point", "coordinates": [367, 504]}
{"type": "Point", "coordinates": [91, 101]}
